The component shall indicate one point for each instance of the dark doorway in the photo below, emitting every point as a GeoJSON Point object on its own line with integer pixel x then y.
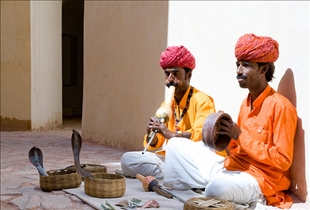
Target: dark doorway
{"type": "Point", "coordinates": [72, 58]}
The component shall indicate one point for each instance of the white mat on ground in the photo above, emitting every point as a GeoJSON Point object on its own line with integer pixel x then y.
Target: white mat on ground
{"type": "Point", "coordinates": [134, 189]}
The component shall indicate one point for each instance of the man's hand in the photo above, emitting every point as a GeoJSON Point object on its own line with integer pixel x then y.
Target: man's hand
{"type": "Point", "coordinates": [150, 123]}
{"type": "Point", "coordinates": [162, 129]}
{"type": "Point", "coordinates": [229, 128]}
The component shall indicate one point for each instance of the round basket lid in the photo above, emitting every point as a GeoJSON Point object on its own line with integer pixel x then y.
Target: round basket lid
{"type": "Point", "coordinates": [207, 203]}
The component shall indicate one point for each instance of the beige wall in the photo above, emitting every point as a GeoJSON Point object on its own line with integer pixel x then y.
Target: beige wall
{"type": "Point", "coordinates": [30, 65]}
{"type": "Point", "coordinates": [15, 65]}
{"type": "Point", "coordinates": [123, 82]}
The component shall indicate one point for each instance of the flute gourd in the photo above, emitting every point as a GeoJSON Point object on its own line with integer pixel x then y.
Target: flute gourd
{"type": "Point", "coordinates": [163, 114]}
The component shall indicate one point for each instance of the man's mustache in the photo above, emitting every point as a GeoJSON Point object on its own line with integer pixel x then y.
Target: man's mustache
{"type": "Point", "coordinates": [241, 76]}
{"type": "Point", "coordinates": [171, 84]}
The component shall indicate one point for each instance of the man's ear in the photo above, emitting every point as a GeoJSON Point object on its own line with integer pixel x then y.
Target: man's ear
{"type": "Point", "coordinates": [189, 76]}
{"type": "Point", "coordinates": [264, 68]}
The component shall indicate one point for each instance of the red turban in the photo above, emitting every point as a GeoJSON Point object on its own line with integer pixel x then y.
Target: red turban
{"type": "Point", "coordinates": [175, 56]}
{"type": "Point", "coordinates": [262, 49]}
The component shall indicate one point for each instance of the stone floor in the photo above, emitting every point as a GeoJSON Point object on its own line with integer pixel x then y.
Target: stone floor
{"type": "Point", "coordinates": [20, 188]}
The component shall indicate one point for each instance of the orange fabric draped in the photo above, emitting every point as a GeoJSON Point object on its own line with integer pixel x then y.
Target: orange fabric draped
{"type": "Point", "coordinates": [265, 147]}
{"type": "Point", "coordinates": [200, 106]}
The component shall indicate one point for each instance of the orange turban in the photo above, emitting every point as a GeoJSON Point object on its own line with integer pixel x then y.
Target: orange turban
{"type": "Point", "coordinates": [262, 49]}
{"type": "Point", "coordinates": [175, 56]}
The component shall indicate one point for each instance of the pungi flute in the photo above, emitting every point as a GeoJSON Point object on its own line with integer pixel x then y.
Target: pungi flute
{"type": "Point", "coordinates": [163, 114]}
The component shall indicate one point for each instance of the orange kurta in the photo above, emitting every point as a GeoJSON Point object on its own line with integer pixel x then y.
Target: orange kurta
{"type": "Point", "coordinates": [200, 106]}
{"type": "Point", "coordinates": [265, 147]}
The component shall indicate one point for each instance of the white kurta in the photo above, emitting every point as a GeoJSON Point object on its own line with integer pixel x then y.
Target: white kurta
{"type": "Point", "coordinates": [191, 165]}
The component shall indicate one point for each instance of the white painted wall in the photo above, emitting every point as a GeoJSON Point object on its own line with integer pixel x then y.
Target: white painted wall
{"type": "Point", "coordinates": [46, 75]}
{"type": "Point", "coordinates": [210, 31]}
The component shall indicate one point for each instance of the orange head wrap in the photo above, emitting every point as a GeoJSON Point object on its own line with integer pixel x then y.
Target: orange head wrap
{"type": "Point", "coordinates": [262, 49]}
{"type": "Point", "coordinates": [175, 56]}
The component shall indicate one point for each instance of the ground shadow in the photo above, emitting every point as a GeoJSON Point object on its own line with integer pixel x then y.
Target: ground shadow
{"type": "Point", "coordinates": [298, 185]}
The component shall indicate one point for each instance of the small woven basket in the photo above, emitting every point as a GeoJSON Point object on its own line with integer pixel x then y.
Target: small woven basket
{"type": "Point", "coordinates": [91, 168]}
{"type": "Point", "coordinates": [105, 185]}
{"type": "Point", "coordinates": [205, 203]}
{"type": "Point", "coordinates": [59, 179]}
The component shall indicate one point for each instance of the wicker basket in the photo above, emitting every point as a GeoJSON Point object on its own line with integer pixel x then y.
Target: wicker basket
{"type": "Point", "coordinates": [203, 203]}
{"type": "Point", "coordinates": [60, 179]}
{"type": "Point", "coordinates": [105, 185]}
{"type": "Point", "coordinates": [91, 168]}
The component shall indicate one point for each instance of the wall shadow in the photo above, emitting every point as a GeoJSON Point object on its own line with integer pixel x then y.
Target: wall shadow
{"type": "Point", "coordinates": [72, 58]}
{"type": "Point", "coordinates": [298, 185]}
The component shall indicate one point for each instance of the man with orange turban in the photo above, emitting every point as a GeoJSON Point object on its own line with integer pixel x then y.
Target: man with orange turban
{"type": "Point", "coordinates": [261, 149]}
{"type": "Point", "coordinates": [189, 107]}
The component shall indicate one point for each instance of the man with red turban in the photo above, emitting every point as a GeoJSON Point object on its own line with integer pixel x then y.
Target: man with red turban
{"type": "Point", "coordinates": [177, 56]}
{"type": "Point", "coordinates": [190, 107]}
{"type": "Point", "coordinates": [261, 149]}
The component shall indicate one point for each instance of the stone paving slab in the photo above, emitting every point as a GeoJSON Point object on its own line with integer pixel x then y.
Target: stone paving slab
{"type": "Point", "coordinates": [20, 188]}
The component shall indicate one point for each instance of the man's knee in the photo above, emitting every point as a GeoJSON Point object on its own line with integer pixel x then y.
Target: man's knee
{"type": "Point", "coordinates": [126, 156]}
{"type": "Point", "coordinates": [234, 186]}
{"type": "Point", "coordinates": [147, 164]}
{"type": "Point", "coordinates": [217, 189]}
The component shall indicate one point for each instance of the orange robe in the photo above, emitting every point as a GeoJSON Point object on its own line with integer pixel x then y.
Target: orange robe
{"type": "Point", "coordinates": [265, 147]}
{"type": "Point", "coordinates": [200, 106]}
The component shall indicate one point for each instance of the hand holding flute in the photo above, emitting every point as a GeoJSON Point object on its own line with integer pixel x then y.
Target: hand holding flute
{"type": "Point", "coordinates": [163, 114]}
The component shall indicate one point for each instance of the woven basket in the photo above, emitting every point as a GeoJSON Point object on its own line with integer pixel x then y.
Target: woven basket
{"type": "Point", "coordinates": [197, 204]}
{"type": "Point", "coordinates": [105, 185]}
{"type": "Point", "coordinates": [91, 168]}
{"type": "Point", "coordinates": [59, 179]}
